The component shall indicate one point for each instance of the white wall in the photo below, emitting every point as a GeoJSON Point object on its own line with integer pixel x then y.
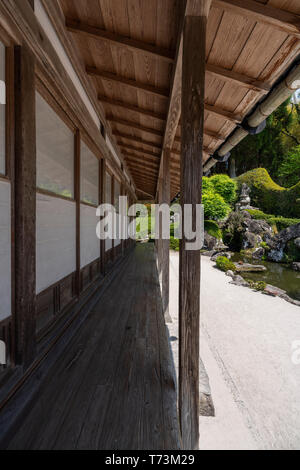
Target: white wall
{"type": "Point", "coordinates": [56, 240]}
{"type": "Point", "coordinates": [89, 242]}
{"type": "Point", "coordinates": [5, 251]}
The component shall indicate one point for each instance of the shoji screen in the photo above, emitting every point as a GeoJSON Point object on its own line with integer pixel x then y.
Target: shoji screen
{"type": "Point", "coordinates": [117, 190]}
{"type": "Point", "coordinates": [5, 204]}
{"type": "Point", "coordinates": [89, 242]}
{"type": "Point", "coordinates": [108, 189]}
{"type": "Point", "coordinates": [56, 209]}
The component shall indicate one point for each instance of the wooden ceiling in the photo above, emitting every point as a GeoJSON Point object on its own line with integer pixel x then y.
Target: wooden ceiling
{"type": "Point", "coordinates": [131, 50]}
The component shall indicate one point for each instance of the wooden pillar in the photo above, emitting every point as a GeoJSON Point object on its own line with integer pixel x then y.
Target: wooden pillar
{"type": "Point", "coordinates": [193, 95]}
{"type": "Point", "coordinates": [25, 206]}
{"type": "Point", "coordinates": [102, 182]}
{"type": "Point", "coordinates": [165, 244]}
{"type": "Point", "coordinates": [77, 195]}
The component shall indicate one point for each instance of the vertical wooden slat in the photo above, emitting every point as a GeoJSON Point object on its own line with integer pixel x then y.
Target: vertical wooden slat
{"type": "Point", "coordinates": [102, 201]}
{"type": "Point", "coordinates": [77, 195]}
{"type": "Point", "coordinates": [165, 244]}
{"type": "Point", "coordinates": [193, 87]}
{"type": "Point", "coordinates": [10, 172]}
{"type": "Point", "coordinates": [25, 206]}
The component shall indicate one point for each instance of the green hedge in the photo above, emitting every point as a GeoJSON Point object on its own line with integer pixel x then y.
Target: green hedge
{"type": "Point", "coordinates": [280, 222]}
{"type": "Point", "coordinates": [269, 196]}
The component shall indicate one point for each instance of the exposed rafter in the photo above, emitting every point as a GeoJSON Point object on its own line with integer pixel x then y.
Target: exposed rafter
{"type": "Point", "coordinates": [139, 140]}
{"type": "Point", "coordinates": [153, 156]}
{"type": "Point", "coordinates": [136, 46]}
{"type": "Point", "coordinates": [94, 72]}
{"type": "Point", "coordinates": [239, 79]}
{"type": "Point", "coordinates": [266, 14]}
{"type": "Point", "coordinates": [135, 125]}
{"type": "Point", "coordinates": [130, 107]}
{"type": "Point", "coordinates": [236, 118]}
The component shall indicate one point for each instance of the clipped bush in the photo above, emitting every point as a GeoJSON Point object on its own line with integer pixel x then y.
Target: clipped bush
{"type": "Point", "coordinates": [280, 222]}
{"type": "Point", "coordinates": [256, 285]}
{"type": "Point", "coordinates": [224, 264]}
{"type": "Point", "coordinates": [214, 205]}
{"type": "Point", "coordinates": [225, 186]}
{"type": "Point", "coordinates": [174, 244]}
{"type": "Point", "coordinates": [269, 196]}
{"type": "Point", "coordinates": [212, 228]}
{"type": "Point", "coordinates": [206, 184]}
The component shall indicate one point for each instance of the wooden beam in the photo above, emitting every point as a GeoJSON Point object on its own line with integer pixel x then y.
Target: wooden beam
{"type": "Point", "coordinates": [214, 135]}
{"type": "Point", "coordinates": [238, 78]}
{"type": "Point", "coordinates": [139, 150]}
{"type": "Point", "coordinates": [135, 125]}
{"type": "Point", "coordinates": [25, 206]}
{"type": "Point", "coordinates": [141, 162]}
{"type": "Point", "coordinates": [131, 107]}
{"type": "Point", "coordinates": [136, 46]}
{"type": "Point", "coordinates": [193, 96]}
{"type": "Point", "coordinates": [112, 77]}
{"type": "Point", "coordinates": [139, 140]}
{"type": "Point", "coordinates": [266, 14]}
{"type": "Point", "coordinates": [229, 116]}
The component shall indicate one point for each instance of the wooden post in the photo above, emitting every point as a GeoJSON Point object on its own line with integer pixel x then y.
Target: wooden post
{"type": "Point", "coordinates": [193, 95]}
{"type": "Point", "coordinates": [25, 206]}
{"type": "Point", "coordinates": [102, 201]}
{"type": "Point", "coordinates": [165, 244]}
{"type": "Point", "coordinates": [77, 195]}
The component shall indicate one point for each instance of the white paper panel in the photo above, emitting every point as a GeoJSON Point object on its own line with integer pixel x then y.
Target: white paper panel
{"type": "Point", "coordinates": [89, 174]}
{"type": "Point", "coordinates": [55, 151]}
{"type": "Point", "coordinates": [5, 251]}
{"type": "Point", "coordinates": [56, 240]}
{"type": "Point", "coordinates": [2, 109]}
{"type": "Point", "coordinates": [108, 243]}
{"type": "Point", "coordinates": [89, 242]}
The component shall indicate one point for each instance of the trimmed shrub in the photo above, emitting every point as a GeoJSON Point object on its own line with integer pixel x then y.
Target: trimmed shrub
{"type": "Point", "coordinates": [224, 264]}
{"type": "Point", "coordinates": [206, 184]}
{"type": "Point", "coordinates": [213, 229]}
{"type": "Point", "coordinates": [214, 205]}
{"type": "Point", "coordinates": [271, 197]}
{"type": "Point", "coordinates": [225, 186]}
{"type": "Point", "coordinates": [174, 244]}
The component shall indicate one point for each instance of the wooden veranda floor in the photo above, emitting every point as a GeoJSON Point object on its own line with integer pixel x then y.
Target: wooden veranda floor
{"type": "Point", "coordinates": [114, 387]}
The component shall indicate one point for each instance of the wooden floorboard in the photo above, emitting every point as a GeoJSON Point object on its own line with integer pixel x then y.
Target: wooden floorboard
{"type": "Point", "coordinates": [114, 387]}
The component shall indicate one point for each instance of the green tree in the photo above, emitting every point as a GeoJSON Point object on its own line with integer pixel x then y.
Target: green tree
{"type": "Point", "coordinates": [289, 170]}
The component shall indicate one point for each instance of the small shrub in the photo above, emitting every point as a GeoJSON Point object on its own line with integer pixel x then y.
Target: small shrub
{"type": "Point", "coordinates": [174, 244]}
{"type": "Point", "coordinates": [224, 264]}
{"type": "Point", "coordinates": [213, 229]}
{"type": "Point", "coordinates": [225, 186]}
{"type": "Point", "coordinates": [256, 285]}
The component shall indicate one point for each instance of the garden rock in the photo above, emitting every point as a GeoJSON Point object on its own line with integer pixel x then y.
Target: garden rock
{"type": "Point", "coordinates": [258, 253]}
{"type": "Point", "coordinates": [296, 266]}
{"type": "Point", "coordinates": [248, 268]}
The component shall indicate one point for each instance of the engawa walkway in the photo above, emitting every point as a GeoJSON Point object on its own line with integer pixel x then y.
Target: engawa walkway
{"type": "Point", "coordinates": [114, 387]}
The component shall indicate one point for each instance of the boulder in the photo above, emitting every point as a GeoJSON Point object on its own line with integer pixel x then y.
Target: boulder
{"type": "Point", "coordinates": [249, 240]}
{"type": "Point", "coordinates": [297, 242]}
{"type": "Point", "coordinates": [296, 266]}
{"type": "Point", "coordinates": [258, 253]}
{"type": "Point", "coordinates": [274, 291]}
{"type": "Point", "coordinates": [248, 268]}
{"type": "Point", "coordinates": [239, 281]}
{"type": "Point", "coordinates": [257, 226]}
{"type": "Point", "coordinates": [279, 242]}
{"type": "Point", "coordinates": [209, 241]}
{"type": "Point", "coordinates": [230, 273]}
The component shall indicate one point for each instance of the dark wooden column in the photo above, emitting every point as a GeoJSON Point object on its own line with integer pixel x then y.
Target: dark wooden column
{"type": "Point", "coordinates": [25, 206]}
{"type": "Point", "coordinates": [113, 254]}
{"type": "Point", "coordinates": [102, 182]}
{"type": "Point", "coordinates": [193, 88]}
{"type": "Point", "coordinates": [77, 195]}
{"type": "Point", "coordinates": [165, 244]}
